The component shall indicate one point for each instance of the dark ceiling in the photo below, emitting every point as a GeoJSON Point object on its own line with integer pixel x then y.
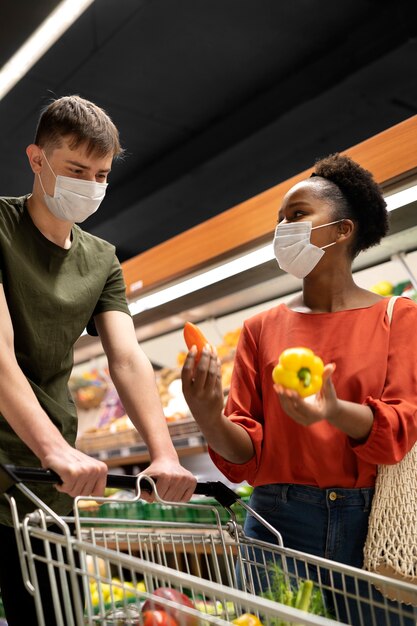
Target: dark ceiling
{"type": "Point", "coordinates": [215, 100]}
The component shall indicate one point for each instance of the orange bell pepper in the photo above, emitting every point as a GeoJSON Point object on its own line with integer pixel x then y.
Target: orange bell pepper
{"type": "Point", "coordinates": [194, 337]}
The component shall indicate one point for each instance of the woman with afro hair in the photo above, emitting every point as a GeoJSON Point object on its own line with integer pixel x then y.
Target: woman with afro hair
{"type": "Point", "coordinates": [313, 463]}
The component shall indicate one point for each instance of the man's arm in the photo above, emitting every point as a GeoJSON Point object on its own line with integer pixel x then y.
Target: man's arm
{"type": "Point", "coordinates": [80, 474]}
{"type": "Point", "coordinates": [134, 379]}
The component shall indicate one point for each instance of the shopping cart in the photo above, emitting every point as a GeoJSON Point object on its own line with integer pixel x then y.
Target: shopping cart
{"type": "Point", "coordinates": [116, 572]}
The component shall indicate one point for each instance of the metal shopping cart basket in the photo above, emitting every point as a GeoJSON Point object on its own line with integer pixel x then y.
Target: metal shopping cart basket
{"type": "Point", "coordinates": [121, 571]}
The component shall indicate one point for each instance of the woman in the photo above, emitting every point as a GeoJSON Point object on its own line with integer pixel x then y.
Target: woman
{"type": "Point", "coordinates": [313, 464]}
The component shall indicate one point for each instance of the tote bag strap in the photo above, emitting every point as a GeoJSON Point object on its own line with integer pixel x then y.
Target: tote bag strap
{"type": "Point", "coordinates": [390, 307]}
{"type": "Point", "coordinates": [390, 547]}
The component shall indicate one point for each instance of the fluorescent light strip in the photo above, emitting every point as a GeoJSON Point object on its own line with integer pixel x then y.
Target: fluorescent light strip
{"type": "Point", "coordinates": [51, 29]}
{"type": "Point", "coordinates": [241, 264]}
{"type": "Point", "coordinates": [401, 198]}
{"type": "Point", "coordinates": [230, 268]}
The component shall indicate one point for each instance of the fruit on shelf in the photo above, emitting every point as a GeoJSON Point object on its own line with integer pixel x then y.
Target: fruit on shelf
{"type": "Point", "coordinates": [383, 288]}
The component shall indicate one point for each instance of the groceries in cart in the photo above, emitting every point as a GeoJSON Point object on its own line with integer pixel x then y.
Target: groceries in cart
{"type": "Point", "coordinates": [134, 572]}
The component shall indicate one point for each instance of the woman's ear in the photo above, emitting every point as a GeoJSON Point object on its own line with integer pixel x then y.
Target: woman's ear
{"type": "Point", "coordinates": [345, 229]}
{"type": "Point", "coordinates": [35, 156]}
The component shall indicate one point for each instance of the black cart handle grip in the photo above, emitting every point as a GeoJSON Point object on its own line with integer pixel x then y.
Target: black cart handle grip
{"type": "Point", "coordinates": [12, 474]}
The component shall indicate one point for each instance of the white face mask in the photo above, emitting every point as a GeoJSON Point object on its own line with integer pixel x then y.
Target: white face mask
{"type": "Point", "coordinates": [294, 251]}
{"type": "Point", "coordinates": [74, 200]}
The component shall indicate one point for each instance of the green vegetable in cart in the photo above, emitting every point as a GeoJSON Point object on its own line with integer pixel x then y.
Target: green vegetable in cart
{"type": "Point", "coordinates": [305, 596]}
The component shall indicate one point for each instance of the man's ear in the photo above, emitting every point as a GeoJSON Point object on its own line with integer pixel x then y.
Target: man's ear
{"type": "Point", "coordinates": [35, 156]}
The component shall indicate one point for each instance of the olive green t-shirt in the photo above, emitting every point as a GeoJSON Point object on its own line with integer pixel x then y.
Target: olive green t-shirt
{"type": "Point", "coordinates": [52, 295]}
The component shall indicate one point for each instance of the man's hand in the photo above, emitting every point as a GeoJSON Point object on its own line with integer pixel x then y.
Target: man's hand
{"type": "Point", "coordinates": [81, 475]}
{"type": "Point", "coordinates": [174, 483]}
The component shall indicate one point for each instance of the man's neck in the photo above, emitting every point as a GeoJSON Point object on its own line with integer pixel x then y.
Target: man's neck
{"type": "Point", "coordinates": [55, 230]}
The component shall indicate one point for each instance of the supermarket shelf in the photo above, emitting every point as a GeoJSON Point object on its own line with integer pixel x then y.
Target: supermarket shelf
{"type": "Point", "coordinates": [138, 454]}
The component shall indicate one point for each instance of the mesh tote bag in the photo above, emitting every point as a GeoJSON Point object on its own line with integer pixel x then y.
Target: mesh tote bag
{"type": "Point", "coordinates": [391, 544]}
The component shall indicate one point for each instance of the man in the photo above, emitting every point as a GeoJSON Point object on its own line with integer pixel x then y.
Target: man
{"type": "Point", "coordinates": [56, 280]}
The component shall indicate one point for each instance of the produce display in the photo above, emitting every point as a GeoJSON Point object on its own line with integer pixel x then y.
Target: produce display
{"type": "Point", "coordinates": [386, 288]}
{"type": "Point", "coordinates": [104, 423]}
{"type": "Point", "coordinates": [89, 388]}
{"type": "Point", "coordinates": [299, 369]}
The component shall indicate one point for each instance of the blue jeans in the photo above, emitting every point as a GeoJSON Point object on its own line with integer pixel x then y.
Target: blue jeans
{"type": "Point", "coordinates": [329, 523]}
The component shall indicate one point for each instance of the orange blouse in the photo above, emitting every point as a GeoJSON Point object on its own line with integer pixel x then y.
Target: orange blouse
{"type": "Point", "coordinates": [376, 364]}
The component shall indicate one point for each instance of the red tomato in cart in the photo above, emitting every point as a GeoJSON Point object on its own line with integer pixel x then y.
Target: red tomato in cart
{"type": "Point", "coordinates": [157, 618]}
{"type": "Point", "coordinates": [167, 593]}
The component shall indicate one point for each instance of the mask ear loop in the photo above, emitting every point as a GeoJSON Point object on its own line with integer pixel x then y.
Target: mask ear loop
{"type": "Point", "coordinates": [328, 245]}
{"type": "Point", "coordinates": [40, 179]}
{"type": "Point", "coordinates": [328, 224]}
{"type": "Point", "coordinates": [49, 165]}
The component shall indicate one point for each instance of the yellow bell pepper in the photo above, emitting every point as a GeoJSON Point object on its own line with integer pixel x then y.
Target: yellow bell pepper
{"type": "Point", "coordinates": [247, 619]}
{"type": "Point", "coordinates": [299, 369]}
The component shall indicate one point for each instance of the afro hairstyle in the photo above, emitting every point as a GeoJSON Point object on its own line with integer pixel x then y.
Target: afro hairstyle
{"type": "Point", "coordinates": [357, 196]}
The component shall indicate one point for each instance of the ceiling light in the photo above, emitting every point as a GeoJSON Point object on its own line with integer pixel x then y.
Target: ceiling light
{"type": "Point", "coordinates": [401, 198]}
{"type": "Point", "coordinates": [51, 29]}
{"type": "Point", "coordinates": [215, 275]}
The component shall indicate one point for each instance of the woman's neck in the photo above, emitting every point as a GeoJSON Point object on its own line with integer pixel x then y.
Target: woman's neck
{"type": "Point", "coordinates": [332, 291]}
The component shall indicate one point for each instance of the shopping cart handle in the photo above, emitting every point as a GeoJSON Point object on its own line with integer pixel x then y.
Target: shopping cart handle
{"type": "Point", "coordinates": [12, 474]}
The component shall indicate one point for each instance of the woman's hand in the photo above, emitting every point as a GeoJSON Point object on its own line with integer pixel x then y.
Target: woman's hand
{"type": "Point", "coordinates": [202, 386]}
{"type": "Point", "coordinates": [356, 420]}
{"type": "Point", "coordinates": [303, 411]}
